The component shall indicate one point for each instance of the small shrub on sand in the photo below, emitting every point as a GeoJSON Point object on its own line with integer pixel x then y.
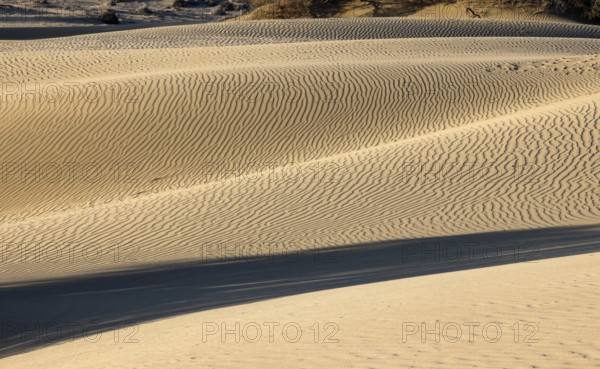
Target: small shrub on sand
{"type": "Point", "coordinates": [227, 6]}
{"type": "Point", "coordinates": [217, 10]}
{"type": "Point", "coordinates": [109, 16]}
{"type": "Point", "coordinates": [283, 9]}
{"type": "Point", "coordinates": [589, 9]}
{"type": "Point", "coordinates": [184, 3]}
{"type": "Point", "coordinates": [144, 9]}
{"type": "Point", "coordinates": [240, 5]}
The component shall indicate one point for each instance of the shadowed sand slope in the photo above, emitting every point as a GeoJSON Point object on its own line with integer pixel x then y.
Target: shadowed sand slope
{"type": "Point", "coordinates": [372, 325]}
{"type": "Point", "coordinates": [107, 301]}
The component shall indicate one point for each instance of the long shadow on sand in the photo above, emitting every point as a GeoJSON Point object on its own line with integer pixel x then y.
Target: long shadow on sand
{"type": "Point", "coordinates": [36, 315]}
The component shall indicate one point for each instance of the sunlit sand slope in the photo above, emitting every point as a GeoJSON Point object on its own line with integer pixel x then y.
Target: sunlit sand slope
{"type": "Point", "coordinates": [358, 142]}
{"type": "Point", "coordinates": [154, 138]}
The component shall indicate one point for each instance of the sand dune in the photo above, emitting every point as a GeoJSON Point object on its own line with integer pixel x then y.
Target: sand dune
{"type": "Point", "coordinates": [303, 30]}
{"type": "Point", "coordinates": [223, 147]}
{"type": "Point", "coordinates": [141, 148]}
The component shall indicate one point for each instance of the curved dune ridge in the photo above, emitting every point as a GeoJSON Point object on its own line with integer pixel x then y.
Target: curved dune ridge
{"type": "Point", "coordinates": [303, 30]}
{"type": "Point", "coordinates": [311, 144]}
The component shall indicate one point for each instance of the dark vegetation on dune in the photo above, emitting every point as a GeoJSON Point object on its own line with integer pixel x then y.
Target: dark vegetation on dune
{"type": "Point", "coordinates": [585, 11]}
{"type": "Point", "coordinates": [588, 9]}
{"type": "Point", "coordinates": [582, 10]}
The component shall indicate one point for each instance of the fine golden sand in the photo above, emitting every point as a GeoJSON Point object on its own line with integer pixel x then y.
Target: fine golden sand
{"type": "Point", "coordinates": [154, 145]}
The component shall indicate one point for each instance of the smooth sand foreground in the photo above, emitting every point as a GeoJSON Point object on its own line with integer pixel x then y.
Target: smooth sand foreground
{"type": "Point", "coordinates": [525, 315]}
{"type": "Point", "coordinates": [145, 148]}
